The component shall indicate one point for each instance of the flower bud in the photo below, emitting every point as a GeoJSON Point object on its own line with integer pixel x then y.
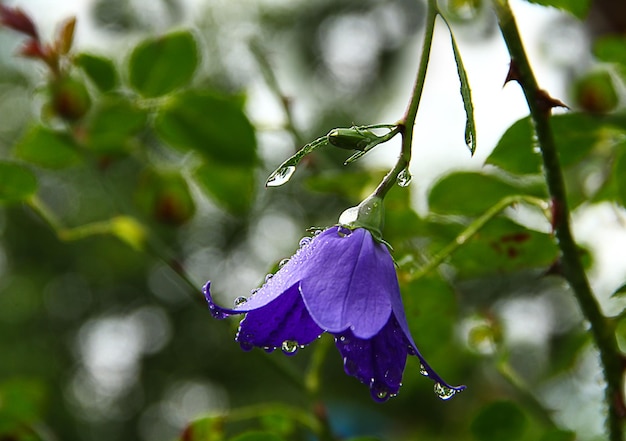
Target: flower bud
{"type": "Point", "coordinates": [351, 139]}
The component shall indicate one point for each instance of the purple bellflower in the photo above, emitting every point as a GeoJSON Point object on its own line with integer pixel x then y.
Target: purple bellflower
{"type": "Point", "coordinates": [341, 281]}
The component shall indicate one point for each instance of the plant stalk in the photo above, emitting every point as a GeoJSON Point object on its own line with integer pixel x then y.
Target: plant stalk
{"type": "Point", "coordinates": [540, 105]}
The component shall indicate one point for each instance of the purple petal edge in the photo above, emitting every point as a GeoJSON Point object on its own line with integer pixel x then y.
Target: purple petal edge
{"type": "Point", "coordinates": [217, 311]}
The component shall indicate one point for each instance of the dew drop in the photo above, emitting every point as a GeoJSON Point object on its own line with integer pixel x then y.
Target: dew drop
{"type": "Point", "coordinates": [246, 346]}
{"type": "Point", "coordinates": [404, 178]}
{"type": "Point", "coordinates": [379, 391]}
{"type": "Point", "coordinates": [240, 301]}
{"type": "Point", "coordinates": [469, 140]}
{"type": "Point", "coordinates": [304, 242]}
{"type": "Point", "coordinates": [268, 277]}
{"type": "Point", "coordinates": [290, 347]}
{"type": "Point", "coordinates": [280, 176]}
{"type": "Point", "coordinates": [443, 392]}
{"type": "Point", "coordinates": [350, 366]}
{"type": "Point", "coordinates": [423, 370]}
{"type": "Point", "coordinates": [254, 291]}
{"type": "Point", "coordinates": [343, 231]}
{"type": "Point", "coordinates": [282, 263]}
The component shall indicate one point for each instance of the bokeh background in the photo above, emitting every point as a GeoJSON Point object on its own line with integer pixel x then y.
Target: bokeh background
{"type": "Point", "coordinates": [104, 334]}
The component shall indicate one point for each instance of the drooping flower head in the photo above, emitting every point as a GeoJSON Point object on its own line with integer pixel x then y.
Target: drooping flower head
{"type": "Point", "coordinates": [341, 281]}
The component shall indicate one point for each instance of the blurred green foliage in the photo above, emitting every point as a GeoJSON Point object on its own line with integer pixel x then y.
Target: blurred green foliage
{"type": "Point", "coordinates": [129, 177]}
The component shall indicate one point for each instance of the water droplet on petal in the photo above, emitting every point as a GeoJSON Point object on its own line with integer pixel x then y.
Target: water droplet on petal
{"type": "Point", "coordinates": [423, 370]}
{"type": "Point", "coordinates": [246, 346]}
{"type": "Point", "coordinates": [443, 392]}
{"type": "Point", "coordinates": [240, 301]}
{"type": "Point", "coordinates": [254, 291]}
{"type": "Point", "coordinates": [282, 263]}
{"type": "Point", "coordinates": [268, 277]}
{"type": "Point", "coordinates": [404, 178]}
{"type": "Point", "coordinates": [379, 391]}
{"type": "Point", "coordinates": [304, 241]}
{"type": "Point", "coordinates": [343, 231]}
{"type": "Point", "coordinates": [280, 176]}
{"type": "Point", "coordinates": [290, 347]}
{"type": "Point", "coordinates": [349, 366]}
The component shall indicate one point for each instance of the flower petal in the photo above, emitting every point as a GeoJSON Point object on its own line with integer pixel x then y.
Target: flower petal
{"type": "Point", "coordinates": [347, 280]}
{"type": "Point", "coordinates": [284, 322]}
{"type": "Point", "coordinates": [398, 312]}
{"type": "Point", "coordinates": [379, 361]}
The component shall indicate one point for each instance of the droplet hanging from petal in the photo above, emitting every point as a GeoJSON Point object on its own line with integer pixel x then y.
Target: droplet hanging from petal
{"type": "Point", "coordinates": [443, 392]}
{"type": "Point", "coordinates": [423, 370]}
{"type": "Point", "coordinates": [289, 347]}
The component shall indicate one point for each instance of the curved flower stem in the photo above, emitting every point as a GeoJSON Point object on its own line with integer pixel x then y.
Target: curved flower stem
{"type": "Point", "coordinates": [139, 238]}
{"type": "Point", "coordinates": [523, 390]}
{"type": "Point", "coordinates": [540, 104]}
{"type": "Point", "coordinates": [408, 121]}
{"type": "Point", "coordinates": [472, 229]}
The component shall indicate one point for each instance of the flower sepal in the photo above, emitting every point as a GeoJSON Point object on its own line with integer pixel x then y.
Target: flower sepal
{"type": "Point", "coordinates": [369, 214]}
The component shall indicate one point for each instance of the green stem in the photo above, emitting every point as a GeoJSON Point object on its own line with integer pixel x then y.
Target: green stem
{"type": "Point", "coordinates": [408, 121]}
{"type": "Point", "coordinates": [272, 83]}
{"type": "Point", "coordinates": [508, 373]}
{"type": "Point", "coordinates": [540, 105]}
{"type": "Point", "coordinates": [472, 229]}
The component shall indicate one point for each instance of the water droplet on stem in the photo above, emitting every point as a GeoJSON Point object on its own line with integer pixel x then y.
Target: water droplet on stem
{"type": "Point", "coordinates": [280, 176]}
{"type": "Point", "coordinates": [404, 178]}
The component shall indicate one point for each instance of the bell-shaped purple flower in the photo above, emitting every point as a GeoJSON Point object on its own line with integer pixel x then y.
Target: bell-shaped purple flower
{"type": "Point", "coordinates": [343, 282]}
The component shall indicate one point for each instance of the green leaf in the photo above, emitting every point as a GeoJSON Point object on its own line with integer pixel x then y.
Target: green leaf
{"type": "Point", "coordinates": [500, 420]}
{"type": "Point", "coordinates": [230, 186]}
{"type": "Point", "coordinates": [112, 125]}
{"type": "Point", "coordinates": [214, 126]}
{"type": "Point", "coordinates": [468, 193]}
{"type": "Point", "coordinates": [431, 310]}
{"type": "Point", "coordinates": [502, 246]}
{"type": "Point", "coordinates": [21, 402]}
{"type": "Point", "coordinates": [204, 429]}
{"type": "Point", "coordinates": [619, 292]}
{"type": "Point", "coordinates": [257, 436]}
{"type": "Point", "coordinates": [160, 65]}
{"type": "Point", "coordinates": [17, 183]}
{"type": "Point", "coordinates": [595, 92]}
{"type": "Point", "coordinates": [578, 8]}
{"type": "Point", "coordinates": [575, 134]}
{"type": "Point", "coordinates": [47, 148]}
{"type": "Point", "coordinates": [611, 49]}
{"type": "Point", "coordinates": [100, 70]}
{"type": "Point", "coordinates": [165, 197]}
{"type": "Point", "coordinates": [466, 93]}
